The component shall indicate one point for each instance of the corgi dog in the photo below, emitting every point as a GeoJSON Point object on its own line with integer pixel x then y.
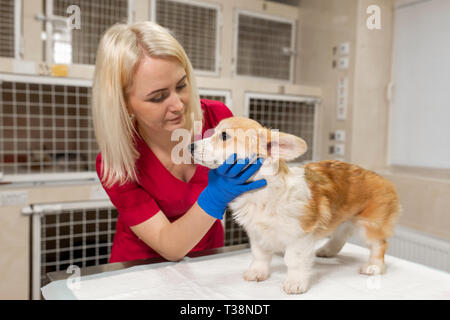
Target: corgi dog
{"type": "Point", "coordinates": [300, 205]}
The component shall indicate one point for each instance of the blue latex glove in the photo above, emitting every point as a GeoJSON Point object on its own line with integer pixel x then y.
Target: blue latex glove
{"type": "Point", "coordinates": [226, 183]}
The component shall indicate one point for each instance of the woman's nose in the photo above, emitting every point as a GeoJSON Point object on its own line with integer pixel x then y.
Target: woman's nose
{"type": "Point", "coordinates": [176, 104]}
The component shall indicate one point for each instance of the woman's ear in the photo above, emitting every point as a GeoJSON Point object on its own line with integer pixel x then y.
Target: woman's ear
{"type": "Point", "coordinates": [285, 146]}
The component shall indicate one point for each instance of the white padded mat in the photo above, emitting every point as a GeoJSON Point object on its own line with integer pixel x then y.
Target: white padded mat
{"type": "Point", "coordinates": [220, 277]}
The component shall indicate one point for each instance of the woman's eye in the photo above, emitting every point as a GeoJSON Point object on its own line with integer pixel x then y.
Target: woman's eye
{"type": "Point", "coordinates": [225, 136]}
{"type": "Point", "coordinates": [158, 98]}
{"type": "Point", "coordinates": [182, 86]}
{"type": "Point", "coordinates": [162, 96]}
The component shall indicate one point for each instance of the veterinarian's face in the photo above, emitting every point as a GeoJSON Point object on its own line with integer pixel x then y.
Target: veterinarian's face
{"type": "Point", "coordinates": [160, 95]}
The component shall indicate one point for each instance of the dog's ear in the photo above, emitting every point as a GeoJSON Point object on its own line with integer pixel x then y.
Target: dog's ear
{"type": "Point", "coordinates": [284, 146]}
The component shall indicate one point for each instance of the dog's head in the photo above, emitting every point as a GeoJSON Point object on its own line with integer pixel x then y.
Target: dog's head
{"type": "Point", "coordinates": [248, 139]}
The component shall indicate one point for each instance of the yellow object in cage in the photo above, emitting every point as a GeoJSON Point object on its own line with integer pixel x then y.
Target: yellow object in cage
{"type": "Point", "coordinates": [60, 70]}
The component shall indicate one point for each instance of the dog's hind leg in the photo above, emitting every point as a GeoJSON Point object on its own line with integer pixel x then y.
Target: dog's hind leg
{"type": "Point", "coordinates": [337, 240]}
{"type": "Point", "coordinates": [379, 226]}
{"type": "Point", "coordinates": [376, 239]}
{"type": "Point", "coordinates": [376, 261]}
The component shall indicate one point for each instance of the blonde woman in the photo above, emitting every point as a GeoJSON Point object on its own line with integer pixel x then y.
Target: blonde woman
{"type": "Point", "coordinates": [144, 89]}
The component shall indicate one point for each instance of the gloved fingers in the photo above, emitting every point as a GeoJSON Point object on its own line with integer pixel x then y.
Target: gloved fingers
{"type": "Point", "coordinates": [224, 167]}
{"type": "Point", "coordinates": [253, 185]}
{"type": "Point", "coordinates": [238, 167]}
{"type": "Point", "coordinates": [250, 170]}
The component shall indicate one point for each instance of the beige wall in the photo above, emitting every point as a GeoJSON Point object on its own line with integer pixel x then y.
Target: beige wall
{"type": "Point", "coordinates": [425, 200]}
{"type": "Point", "coordinates": [15, 254]}
{"type": "Point", "coordinates": [372, 76]}
{"type": "Point", "coordinates": [324, 24]}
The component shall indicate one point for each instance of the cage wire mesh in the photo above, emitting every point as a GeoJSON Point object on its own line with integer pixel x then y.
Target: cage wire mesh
{"type": "Point", "coordinates": [215, 97]}
{"type": "Point", "coordinates": [81, 237]}
{"type": "Point", "coordinates": [234, 233]}
{"type": "Point", "coordinates": [45, 128]}
{"type": "Point", "coordinates": [195, 27]}
{"type": "Point", "coordinates": [289, 116]}
{"type": "Point", "coordinates": [96, 16]}
{"type": "Point", "coordinates": [261, 47]}
{"type": "Point", "coordinates": [7, 32]}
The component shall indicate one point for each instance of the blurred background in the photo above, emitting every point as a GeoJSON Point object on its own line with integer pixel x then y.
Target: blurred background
{"type": "Point", "coordinates": [361, 81]}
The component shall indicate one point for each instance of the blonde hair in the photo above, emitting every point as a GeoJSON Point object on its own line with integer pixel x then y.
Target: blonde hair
{"type": "Point", "coordinates": [118, 56]}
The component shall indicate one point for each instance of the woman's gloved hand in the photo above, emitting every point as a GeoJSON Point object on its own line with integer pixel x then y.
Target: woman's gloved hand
{"type": "Point", "coordinates": [226, 183]}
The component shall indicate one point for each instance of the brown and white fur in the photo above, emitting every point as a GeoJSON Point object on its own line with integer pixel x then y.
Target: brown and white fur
{"type": "Point", "coordinates": [300, 205]}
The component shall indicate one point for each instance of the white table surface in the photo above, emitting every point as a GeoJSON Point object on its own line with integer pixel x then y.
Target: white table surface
{"type": "Point", "coordinates": [220, 277]}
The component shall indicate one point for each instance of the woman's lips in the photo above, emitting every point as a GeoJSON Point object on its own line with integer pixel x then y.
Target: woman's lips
{"type": "Point", "coordinates": [175, 119]}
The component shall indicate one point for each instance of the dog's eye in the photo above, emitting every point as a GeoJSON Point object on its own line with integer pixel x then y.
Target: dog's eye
{"type": "Point", "coordinates": [225, 136]}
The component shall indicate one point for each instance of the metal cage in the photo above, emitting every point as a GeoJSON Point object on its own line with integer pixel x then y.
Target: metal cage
{"type": "Point", "coordinates": [196, 26]}
{"type": "Point", "coordinates": [79, 46]}
{"type": "Point", "coordinates": [45, 128]}
{"type": "Point", "coordinates": [289, 114]}
{"type": "Point", "coordinates": [264, 46]}
{"type": "Point", "coordinates": [10, 23]}
{"type": "Point", "coordinates": [69, 234]}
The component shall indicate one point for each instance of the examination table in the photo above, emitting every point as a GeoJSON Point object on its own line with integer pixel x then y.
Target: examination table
{"type": "Point", "coordinates": [217, 274]}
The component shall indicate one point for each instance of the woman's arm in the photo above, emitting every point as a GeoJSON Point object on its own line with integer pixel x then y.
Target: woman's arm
{"type": "Point", "coordinates": [174, 240]}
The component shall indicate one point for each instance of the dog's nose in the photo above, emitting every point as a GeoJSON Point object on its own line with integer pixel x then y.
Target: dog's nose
{"type": "Point", "coordinates": [192, 147]}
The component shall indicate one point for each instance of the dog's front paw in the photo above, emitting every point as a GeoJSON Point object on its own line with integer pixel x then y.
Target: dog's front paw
{"type": "Point", "coordinates": [256, 274]}
{"type": "Point", "coordinates": [295, 286]}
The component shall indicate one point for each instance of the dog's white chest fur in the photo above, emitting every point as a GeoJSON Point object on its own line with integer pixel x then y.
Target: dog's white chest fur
{"type": "Point", "coordinates": [271, 215]}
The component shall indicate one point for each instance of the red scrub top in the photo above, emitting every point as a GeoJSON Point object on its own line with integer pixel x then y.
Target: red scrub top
{"type": "Point", "coordinates": [159, 190]}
